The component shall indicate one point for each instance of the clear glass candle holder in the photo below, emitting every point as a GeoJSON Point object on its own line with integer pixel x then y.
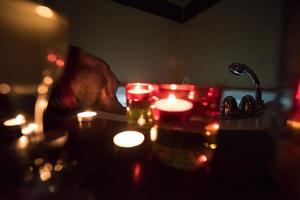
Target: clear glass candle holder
{"type": "Point", "coordinates": [139, 98]}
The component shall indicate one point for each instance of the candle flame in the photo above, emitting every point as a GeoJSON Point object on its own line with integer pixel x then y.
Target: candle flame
{"type": "Point", "coordinates": [172, 98]}
{"type": "Point", "coordinates": [138, 87]}
{"type": "Point", "coordinates": [173, 87]}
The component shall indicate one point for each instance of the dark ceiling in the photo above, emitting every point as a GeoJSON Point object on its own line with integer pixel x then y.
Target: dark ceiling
{"type": "Point", "coordinates": [176, 10]}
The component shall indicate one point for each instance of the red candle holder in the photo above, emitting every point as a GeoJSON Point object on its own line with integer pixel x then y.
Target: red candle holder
{"type": "Point", "coordinates": [207, 101]}
{"type": "Point", "coordinates": [172, 103]}
{"type": "Point", "coordinates": [139, 97]}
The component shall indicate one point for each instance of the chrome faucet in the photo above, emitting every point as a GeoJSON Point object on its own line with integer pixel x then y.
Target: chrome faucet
{"type": "Point", "coordinates": [242, 69]}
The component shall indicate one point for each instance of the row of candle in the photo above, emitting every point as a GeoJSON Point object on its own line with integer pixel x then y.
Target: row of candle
{"type": "Point", "coordinates": [169, 102]}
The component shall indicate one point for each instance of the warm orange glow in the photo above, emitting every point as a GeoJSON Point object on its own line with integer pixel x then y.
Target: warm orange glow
{"type": "Point", "coordinates": [137, 169]}
{"type": "Point", "coordinates": [4, 88]}
{"type": "Point", "coordinates": [293, 124]}
{"type": "Point", "coordinates": [48, 80]}
{"type": "Point", "coordinates": [141, 121]}
{"type": "Point", "coordinates": [45, 175]}
{"type": "Point", "coordinates": [38, 161]}
{"type": "Point", "coordinates": [17, 121]}
{"type": "Point", "coordinates": [128, 139]}
{"type": "Point", "coordinates": [60, 63]}
{"type": "Point", "coordinates": [153, 133]}
{"type": "Point", "coordinates": [51, 58]}
{"type": "Point", "coordinates": [48, 167]}
{"type": "Point", "coordinates": [58, 167]}
{"type": "Point", "coordinates": [22, 142]}
{"type": "Point", "coordinates": [42, 89]}
{"type": "Point", "coordinates": [29, 129]}
{"type": "Point", "coordinates": [202, 159]}
{"type": "Point", "coordinates": [213, 146]}
{"type": "Point", "coordinates": [191, 95]}
{"type": "Point", "coordinates": [208, 133]}
{"type": "Point", "coordinates": [212, 127]}
{"type": "Point", "coordinates": [86, 116]}
{"type": "Point", "coordinates": [44, 11]}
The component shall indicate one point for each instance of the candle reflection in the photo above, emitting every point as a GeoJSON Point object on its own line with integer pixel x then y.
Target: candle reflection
{"type": "Point", "coordinates": [137, 169]}
{"type": "Point", "coordinates": [153, 133]}
{"type": "Point", "coordinates": [22, 142]}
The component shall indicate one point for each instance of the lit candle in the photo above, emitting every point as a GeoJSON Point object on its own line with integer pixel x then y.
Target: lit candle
{"type": "Point", "coordinates": [139, 97]}
{"type": "Point", "coordinates": [86, 116]}
{"type": "Point", "coordinates": [137, 91]}
{"type": "Point", "coordinates": [128, 139]}
{"type": "Point", "coordinates": [17, 121]}
{"type": "Point", "coordinates": [172, 109]}
{"type": "Point", "coordinates": [172, 104]}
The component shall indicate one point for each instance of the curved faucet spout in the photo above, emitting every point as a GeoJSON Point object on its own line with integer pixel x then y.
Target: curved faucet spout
{"type": "Point", "coordinates": [242, 69]}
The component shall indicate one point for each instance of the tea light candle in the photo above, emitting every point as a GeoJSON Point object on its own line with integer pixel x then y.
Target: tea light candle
{"type": "Point", "coordinates": [172, 104]}
{"type": "Point", "coordinates": [171, 109]}
{"type": "Point", "coordinates": [137, 91]}
{"type": "Point", "coordinates": [86, 116]}
{"type": "Point", "coordinates": [139, 97]}
{"type": "Point", "coordinates": [128, 139]}
{"type": "Point", "coordinates": [17, 121]}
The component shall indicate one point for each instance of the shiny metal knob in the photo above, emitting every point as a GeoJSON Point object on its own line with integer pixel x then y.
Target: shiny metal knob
{"type": "Point", "coordinates": [229, 106]}
{"type": "Point", "coordinates": [247, 104]}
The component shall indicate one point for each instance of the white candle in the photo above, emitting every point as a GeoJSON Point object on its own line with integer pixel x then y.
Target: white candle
{"type": "Point", "coordinates": [128, 139]}
{"type": "Point", "coordinates": [172, 104]}
{"type": "Point", "coordinates": [86, 116]}
{"type": "Point", "coordinates": [17, 121]}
